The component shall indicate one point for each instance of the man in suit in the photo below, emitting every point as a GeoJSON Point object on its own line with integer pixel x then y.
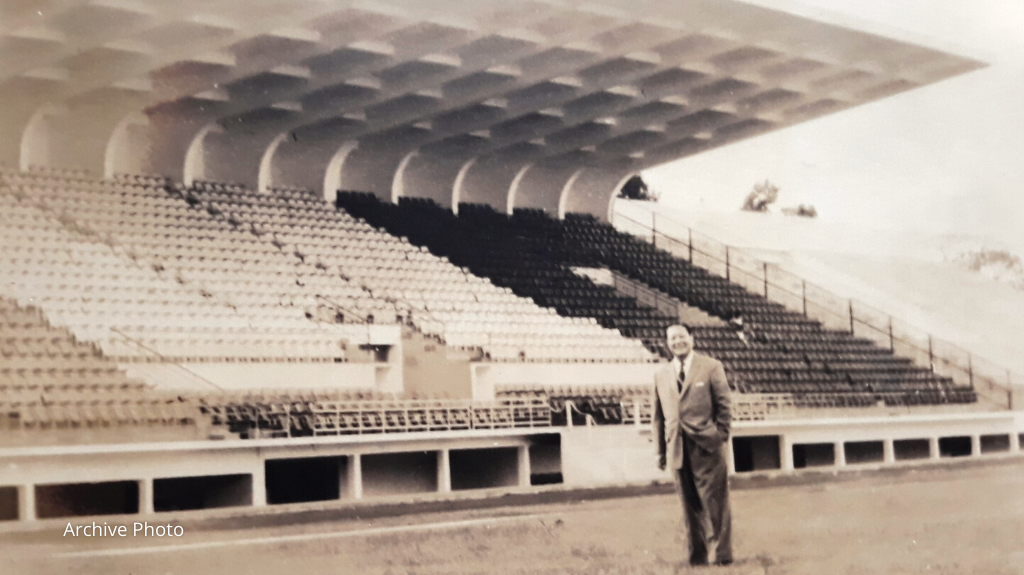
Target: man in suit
{"type": "Point", "coordinates": [691, 423]}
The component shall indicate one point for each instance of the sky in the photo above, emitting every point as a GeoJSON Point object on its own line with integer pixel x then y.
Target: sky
{"type": "Point", "coordinates": [944, 158]}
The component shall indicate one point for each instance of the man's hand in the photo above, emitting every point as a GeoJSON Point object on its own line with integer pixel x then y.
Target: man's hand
{"type": "Point", "coordinates": [661, 462]}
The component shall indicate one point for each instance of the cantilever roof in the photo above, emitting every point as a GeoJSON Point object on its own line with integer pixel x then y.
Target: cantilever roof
{"type": "Point", "coordinates": [422, 95]}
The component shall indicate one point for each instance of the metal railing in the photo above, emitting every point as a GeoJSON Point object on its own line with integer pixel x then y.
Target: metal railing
{"type": "Point", "coordinates": [833, 311]}
{"type": "Point", "coordinates": [285, 418]}
{"type": "Point", "coordinates": [158, 358]}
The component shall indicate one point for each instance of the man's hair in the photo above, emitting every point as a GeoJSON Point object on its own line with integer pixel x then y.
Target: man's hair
{"type": "Point", "coordinates": [678, 325]}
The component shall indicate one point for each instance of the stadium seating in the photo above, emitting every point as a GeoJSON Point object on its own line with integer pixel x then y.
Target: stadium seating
{"type": "Point", "coordinates": [146, 275]}
{"type": "Point", "coordinates": [440, 299]}
{"type": "Point", "coordinates": [56, 389]}
{"type": "Point", "coordinates": [781, 352]}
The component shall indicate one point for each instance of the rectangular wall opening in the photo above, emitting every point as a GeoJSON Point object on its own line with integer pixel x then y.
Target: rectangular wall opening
{"type": "Point", "coordinates": [305, 479]}
{"type": "Point", "coordinates": [484, 468]}
{"type": "Point", "coordinates": [203, 492]}
{"type": "Point", "coordinates": [395, 473]}
{"type": "Point", "coordinates": [905, 449]}
{"type": "Point", "coordinates": [813, 455]}
{"type": "Point", "coordinates": [863, 452]}
{"type": "Point", "coordinates": [85, 499]}
{"type": "Point", "coordinates": [546, 459]}
{"type": "Point", "coordinates": [955, 446]}
{"type": "Point", "coordinates": [995, 443]}
{"type": "Point", "coordinates": [8, 503]}
{"type": "Point", "coordinates": [756, 453]}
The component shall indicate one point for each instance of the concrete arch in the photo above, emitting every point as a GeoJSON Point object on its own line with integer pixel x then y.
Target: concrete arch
{"type": "Point", "coordinates": [265, 179]}
{"type": "Point", "coordinates": [540, 186]}
{"type": "Point", "coordinates": [76, 135]}
{"type": "Point", "coordinates": [610, 210]}
{"type": "Point", "coordinates": [221, 155]}
{"type": "Point", "coordinates": [398, 181]}
{"type": "Point", "coordinates": [37, 142]}
{"type": "Point", "coordinates": [15, 118]}
{"type": "Point", "coordinates": [460, 179]}
{"type": "Point", "coordinates": [290, 162]}
{"type": "Point", "coordinates": [332, 175]}
{"type": "Point", "coordinates": [173, 137]}
{"type": "Point", "coordinates": [194, 167]}
{"type": "Point", "coordinates": [128, 147]}
{"type": "Point", "coordinates": [371, 169]}
{"type": "Point", "coordinates": [593, 191]}
{"type": "Point", "coordinates": [513, 188]}
{"type": "Point", "coordinates": [487, 180]}
{"type": "Point", "coordinates": [564, 194]}
{"type": "Point", "coordinates": [426, 176]}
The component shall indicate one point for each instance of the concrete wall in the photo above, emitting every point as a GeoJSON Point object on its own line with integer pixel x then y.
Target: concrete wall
{"type": "Point", "coordinates": [234, 472]}
{"type": "Point", "coordinates": [487, 376]}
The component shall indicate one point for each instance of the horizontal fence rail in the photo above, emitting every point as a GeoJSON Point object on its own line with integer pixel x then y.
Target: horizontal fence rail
{"type": "Point", "coordinates": [832, 311]}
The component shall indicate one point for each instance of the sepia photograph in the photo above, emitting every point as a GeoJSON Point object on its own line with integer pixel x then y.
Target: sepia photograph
{"type": "Point", "coordinates": [511, 287]}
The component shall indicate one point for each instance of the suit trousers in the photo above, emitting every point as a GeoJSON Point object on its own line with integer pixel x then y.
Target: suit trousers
{"type": "Point", "coordinates": [703, 486]}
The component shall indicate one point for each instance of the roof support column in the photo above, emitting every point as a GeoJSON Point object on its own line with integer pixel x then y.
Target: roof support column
{"type": "Point", "coordinates": [592, 191]}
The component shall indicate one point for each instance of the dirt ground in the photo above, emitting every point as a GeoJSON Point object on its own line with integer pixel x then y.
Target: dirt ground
{"type": "Point", "coordinates": [936, 521]}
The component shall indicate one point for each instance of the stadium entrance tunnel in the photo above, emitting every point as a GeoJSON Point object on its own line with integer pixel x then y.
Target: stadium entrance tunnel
{"type": "Point", "coordinates": [399, 473]}
{"type": "Point", "coordinates": [813, 455]}
{"type": "Point", "coordinates": [306, 479]}
{"type": "Point", "coordinates": [756, 453]}
{"type": "Point", "coordinates": [206, 492]}
{"type": "Point", "coordinates": [864, 452]}
{"type": "Point", "coordinates": [8, 503]}
{"type": "Point", "coordinates": [955, 446]}
{"type": "Point", "coordinates": [909, 449]}
{"type": "Point", "coordinates": [484, 468]}
{"type": "Point", "coordinates": [995, 443]}
{"type": "Point", "coordinates": [546, 459]}
{"type": "Point", "coordinates": [86, 499]}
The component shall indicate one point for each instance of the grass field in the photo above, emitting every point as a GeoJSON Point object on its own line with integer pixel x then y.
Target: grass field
{"type": "Point", "coordinates": [927, 521]}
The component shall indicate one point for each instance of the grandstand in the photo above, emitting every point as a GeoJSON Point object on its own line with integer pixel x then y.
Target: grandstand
{"type": "Point", "coordinates": [359, 252]}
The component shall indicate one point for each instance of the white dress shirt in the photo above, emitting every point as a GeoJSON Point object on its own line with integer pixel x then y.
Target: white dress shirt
{"type": "Point", "coordinates": [685, 368]}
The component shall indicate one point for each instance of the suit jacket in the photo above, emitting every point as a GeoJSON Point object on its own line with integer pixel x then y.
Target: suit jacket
{"type": "Point", "coordinates": [701, 411]}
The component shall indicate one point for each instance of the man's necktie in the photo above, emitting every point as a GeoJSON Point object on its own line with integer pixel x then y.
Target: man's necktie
{"type": "Point", "coordinates": [681, 379]}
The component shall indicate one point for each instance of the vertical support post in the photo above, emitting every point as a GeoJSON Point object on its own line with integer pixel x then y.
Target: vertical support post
{"type": "Point", "coordinates": [568, 413]}
{"type": "Point", "coordinates": [970, 369]}
{"type": "Point", "coordinates": [764, 266]}
{"type": "Point", "coordinates": [786, 455]}
{"type": "Point", "coordinates": [689, 232]}
{"type": "Point", "coordinates": [444, 472]}
{"type": "Point", "coordinates": [803, 287]}
{"type": "Point", "coordinates": [840, 454]}
{"type": "Point", "coordinates": [727, 265]}
{"type": "Point", "coordinates": [27, 502]}
{"type": "Point", "coordinates": [931, 355]}
{"type": "Point", "coordinates": [636, 414]}
{"type": "Point", "coordinates": [1014, 441]}
{"type": "Point", "coordinates": [933, 448]}
{"type": "Point", "coordinates": [524, 465]}
{"type": "Point", "coordinates": [730, 459]}
{"type": "Point", "coordinates": [892, 342]}
{"type": "Point", "coordinates": [654, 229]}
{"type": "Point", "coordinates": [851, 317]}
{"type": "Point", "coordinates": [975, 445]}
{"type": "Point", "coordinates": [355, 476]}
{"type": "Point", "coordinates": [146, 506]}
{"type": "Point", "coordinates": [888, 451]}
{"type": "Point", "coordinates": [259, 484]}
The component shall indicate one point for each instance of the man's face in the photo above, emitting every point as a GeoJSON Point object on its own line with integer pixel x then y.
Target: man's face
{"type": "Point", "coordinates": [680, 342]}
